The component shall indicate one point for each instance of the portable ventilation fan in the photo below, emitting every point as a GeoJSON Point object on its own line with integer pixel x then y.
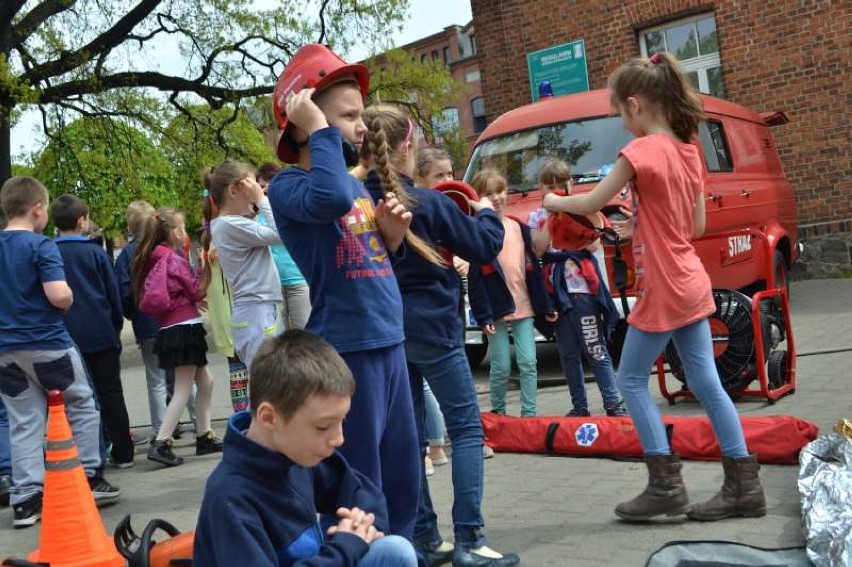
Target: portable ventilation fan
{"type": "Point", "coordinates": [733, 342]}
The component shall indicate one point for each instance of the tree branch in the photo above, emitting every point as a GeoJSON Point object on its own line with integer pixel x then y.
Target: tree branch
{"type": "Point", "coordinates": [321, 38]}
{"type": "Point", "coordinates": [69, 60]}
{"type": "Point", "coordinates": [158, 81]}
{"type": "Point", "coordinates": [36, 17]}
{"type": "Point", "coordinates": [9, 8]}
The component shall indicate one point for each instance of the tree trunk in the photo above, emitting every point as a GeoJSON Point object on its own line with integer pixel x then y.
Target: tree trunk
{"type": "Point", "coordinates": [5, 157]}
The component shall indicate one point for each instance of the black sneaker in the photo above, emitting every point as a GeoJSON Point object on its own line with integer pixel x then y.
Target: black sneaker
{"type": "Point", "coordinates": [618, 410]}
{"type": "Point", "coordinates": [5, 489]}
{"type": "Point", "coordinates": [103, 491]}
{"type": "Point", "coordinates": [578, 412]}
{"type": "Point", "coordinates": [178, 432]}
{"type": "Point", "coordinates": [28, 512]}
{"type": "Point", "coordinates": [161, 451]}
{"type": "Point", "coordinates": [208, 444]}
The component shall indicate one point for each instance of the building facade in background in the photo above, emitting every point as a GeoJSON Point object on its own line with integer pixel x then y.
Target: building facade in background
{"type": "Point", "coordinates": [787, 55]}
{"type": "Point", "coordinates": [455, 47]}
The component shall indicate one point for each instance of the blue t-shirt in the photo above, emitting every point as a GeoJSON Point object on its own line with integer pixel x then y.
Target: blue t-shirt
{"type": "Point", "coordinates": [288, 271]}
{"type": "Point", "coordinates": [28, 321]}
{"type": "Point", "coordinates": [326, 220]}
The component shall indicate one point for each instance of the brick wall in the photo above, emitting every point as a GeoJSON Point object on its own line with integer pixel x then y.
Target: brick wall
{"type": "Point", "coordinates": [784, 54]}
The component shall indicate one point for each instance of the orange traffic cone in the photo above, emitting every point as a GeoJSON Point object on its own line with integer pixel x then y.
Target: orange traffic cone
{"type": "Point", "coordinates": [72, 533]}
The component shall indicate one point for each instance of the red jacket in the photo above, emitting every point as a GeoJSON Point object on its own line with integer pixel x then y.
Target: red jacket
{"type": "Point", "coordinates": [171, 291]}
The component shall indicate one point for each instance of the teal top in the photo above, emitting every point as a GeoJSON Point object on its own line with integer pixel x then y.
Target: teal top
{"type": "Point", "coordinates": [288, 272]}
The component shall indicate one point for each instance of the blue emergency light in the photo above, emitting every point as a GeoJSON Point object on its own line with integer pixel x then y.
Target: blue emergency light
{"type": "Point", "coordinates": [545, 90]}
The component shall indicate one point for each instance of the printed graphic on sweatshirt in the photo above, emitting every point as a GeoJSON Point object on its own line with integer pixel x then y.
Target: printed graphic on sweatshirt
{"type": "Point", "coordinates": [361, 252]}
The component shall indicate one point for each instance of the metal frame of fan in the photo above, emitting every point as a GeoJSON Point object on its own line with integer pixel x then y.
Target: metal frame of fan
{"type": "Point", "coordinates": [745, 330]}
{"type": "Point", "coordinates": [733, 342]}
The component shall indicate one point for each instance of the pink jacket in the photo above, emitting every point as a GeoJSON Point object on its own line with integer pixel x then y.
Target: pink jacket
{"type": "Point", "coordinates": [170, 292]}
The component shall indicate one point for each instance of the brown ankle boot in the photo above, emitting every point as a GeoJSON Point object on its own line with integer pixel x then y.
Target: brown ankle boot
{"type": "Point", "coordinates": [665, 493]}
{"type": "Point", "coordinates": [741, 493]}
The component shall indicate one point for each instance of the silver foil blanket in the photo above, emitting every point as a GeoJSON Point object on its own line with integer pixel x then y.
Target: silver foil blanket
{"type": "Point", "coordinates": [825, 487]}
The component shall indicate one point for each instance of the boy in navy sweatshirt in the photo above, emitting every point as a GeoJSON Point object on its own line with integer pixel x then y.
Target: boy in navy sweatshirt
{"type": "Point", "coordinates": [95, 319]}
{"type": "Point", "coordinates": [343, 245]}
{"type": "Point", "coordinates": [280, 468]}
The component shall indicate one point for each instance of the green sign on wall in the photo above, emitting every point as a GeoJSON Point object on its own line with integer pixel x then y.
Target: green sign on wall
{"type": "Point", "coordinates": [563, 65]}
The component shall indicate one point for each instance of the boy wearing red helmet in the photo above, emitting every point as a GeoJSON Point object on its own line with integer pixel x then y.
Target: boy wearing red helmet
{"type": "Point", "coordinates": [343, 247]}
{"type": "Point", "coordinates": [587, 313]}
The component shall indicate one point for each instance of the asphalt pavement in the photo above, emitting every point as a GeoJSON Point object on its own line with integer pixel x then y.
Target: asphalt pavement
{"type": "Point", "coordinates": [551, 510]}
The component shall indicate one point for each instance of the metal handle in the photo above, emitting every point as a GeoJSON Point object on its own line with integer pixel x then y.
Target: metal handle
{"type": "Point", "coordinates": [714, 198]}
{"type": "Point", "coordinates": [745, 193]}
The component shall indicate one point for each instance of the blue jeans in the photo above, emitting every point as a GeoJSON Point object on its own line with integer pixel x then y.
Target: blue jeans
{"type": "Point", "coordinates": [449, 376]}
{"type": "Point", "coordinates": [389, 551]}
{"type": "Point", "coordinates": [5, 446]}
{"type": "Point", "coordinates": [695, 348]}
{"type": "Point", "coordinates": [579, 333]}
{"type": "Point", "coordinates": [501, 364]}
{"type": "Point", "coordinates": [435, 425]}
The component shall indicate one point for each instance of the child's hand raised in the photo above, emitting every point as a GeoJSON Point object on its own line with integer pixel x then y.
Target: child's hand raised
{"type": "Point", "coordinates": [393, 221]}
{"type": "Point", "coordinates": [356, 521]}
{"type": "Point", "coordinates": [624, 229]}
{"type": "Point", "coordinates": [303, 112]}
{"type": "Point", "coordinates": [482, 203]}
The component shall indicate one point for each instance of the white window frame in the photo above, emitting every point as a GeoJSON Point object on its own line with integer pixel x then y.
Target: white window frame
{"type": "Point", "coordinates": [699, 64]}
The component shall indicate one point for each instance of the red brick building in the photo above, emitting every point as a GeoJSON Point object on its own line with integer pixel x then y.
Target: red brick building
{"type": "Point", "coordinates": [455, 46]}
{"type": "Point", "coordinates": [790, 55]}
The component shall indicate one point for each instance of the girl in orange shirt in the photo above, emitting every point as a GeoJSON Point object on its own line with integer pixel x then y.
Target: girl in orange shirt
{"type": "Point", "coordinates": [673, 293]}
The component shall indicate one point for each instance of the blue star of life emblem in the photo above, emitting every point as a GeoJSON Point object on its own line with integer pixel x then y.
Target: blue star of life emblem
{"type": "Point", "coordinates": [586, 434]}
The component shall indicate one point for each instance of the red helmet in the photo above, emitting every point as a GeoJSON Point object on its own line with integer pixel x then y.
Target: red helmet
{"type": "Point", "coordinates": [460, 192]}
{"type": "Point", "coordinates": [312, 66]}
{"type": "Point", "coordinates": [574, 232]}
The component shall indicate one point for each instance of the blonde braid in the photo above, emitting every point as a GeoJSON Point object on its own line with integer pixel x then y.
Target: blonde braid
{"type": "Point", "coordinates": [378, 119]}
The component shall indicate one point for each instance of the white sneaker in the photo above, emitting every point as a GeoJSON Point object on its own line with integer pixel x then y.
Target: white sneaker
{"type": "Point", "coordinates": [430, 468]}
{"type": "Point", "coordinates": [487, 452]}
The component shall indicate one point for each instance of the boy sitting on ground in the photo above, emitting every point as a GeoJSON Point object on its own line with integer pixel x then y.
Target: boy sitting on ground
{"type": "Point", "coordinates": [280, 468]}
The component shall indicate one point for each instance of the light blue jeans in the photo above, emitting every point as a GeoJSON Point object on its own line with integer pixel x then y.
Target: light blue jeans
{"type": "Point", "coordinates": [5, 445]}
{"type": "Point", "coordinates": [390, 551]}
{"type": "Point", "coordinates": [155, 379]}
{"type": "Point", "coordinates": [695, 348]}
{"type": "Point", "coordinates": [523, 334]}
{"type": "Point", "coordinates": [435, 425]}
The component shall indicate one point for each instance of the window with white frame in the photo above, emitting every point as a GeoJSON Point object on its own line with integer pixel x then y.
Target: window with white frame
{"type": "Point", "coordinates": [695, 43]}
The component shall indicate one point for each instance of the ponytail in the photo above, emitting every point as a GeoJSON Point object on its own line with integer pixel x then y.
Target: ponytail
{"type": "Point", "coordinates": [158, 227]}
{"type": "Point", "coordinates": [387, 128]}
{"type": "Point", "coordinates": [660, 80]}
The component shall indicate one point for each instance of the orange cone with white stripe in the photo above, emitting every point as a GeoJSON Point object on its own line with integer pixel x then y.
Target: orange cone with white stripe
{"type": "Point", "coordinates": [72, 533]}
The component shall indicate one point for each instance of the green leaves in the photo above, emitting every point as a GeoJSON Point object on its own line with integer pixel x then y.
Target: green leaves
{"type": "Point", "coordinates": [425, 88]}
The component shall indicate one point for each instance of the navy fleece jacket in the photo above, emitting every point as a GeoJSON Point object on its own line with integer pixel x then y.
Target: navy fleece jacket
{"type": "Point", "coordinates": [562, 299]}
{"type": "Point", "coordinates": [260, 508]}
{"type": "Point", "coordinates": [144, 327]}
{"type": "Point", "coordinates": [490, 297]}
{"type": "Point", "coordinates": [95, 319]}
{"type": "Point", "coordinates": [431, 294]}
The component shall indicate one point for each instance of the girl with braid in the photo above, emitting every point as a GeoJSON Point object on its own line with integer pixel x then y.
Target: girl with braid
{"type": "Point", "coordinates": [434, 345]}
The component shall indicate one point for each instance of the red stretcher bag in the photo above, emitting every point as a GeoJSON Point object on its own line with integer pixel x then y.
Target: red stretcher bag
{"type": "Point", "coordinates": [775, 439]}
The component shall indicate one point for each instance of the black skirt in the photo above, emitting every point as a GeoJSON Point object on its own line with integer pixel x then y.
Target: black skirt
{"type": "Point", "coordinates": [181, 345]}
